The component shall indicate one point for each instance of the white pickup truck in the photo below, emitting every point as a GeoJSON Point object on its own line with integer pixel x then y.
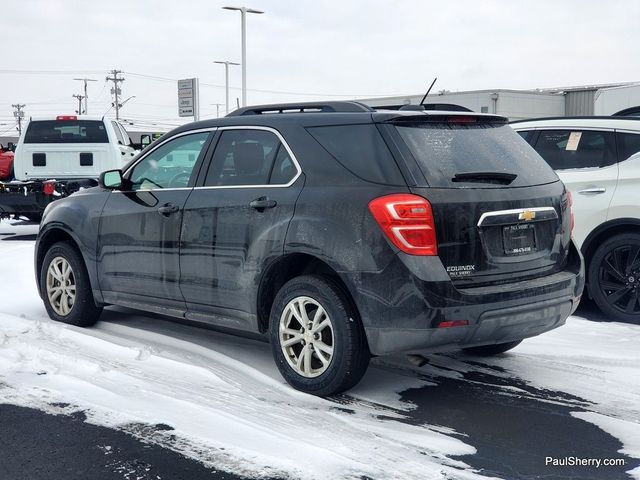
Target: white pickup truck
{"type": "Point", "coordinates": [57, 156]}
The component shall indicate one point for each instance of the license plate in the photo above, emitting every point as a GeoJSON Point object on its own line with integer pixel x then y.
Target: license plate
{"type": "Point", "coordinates": [519, 239]}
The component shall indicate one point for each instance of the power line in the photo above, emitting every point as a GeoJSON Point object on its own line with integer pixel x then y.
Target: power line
{"type": "Point", "coordinates": [50, 72]}
{"type": "Point", "coordinates": [212, 85]}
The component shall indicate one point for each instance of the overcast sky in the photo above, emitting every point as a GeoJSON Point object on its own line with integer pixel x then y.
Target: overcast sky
{"type": "Point", "coordinates": [304, 50]}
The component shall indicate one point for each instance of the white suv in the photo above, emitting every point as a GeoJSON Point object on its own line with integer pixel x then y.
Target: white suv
{"type": "Point", "coordinates": [598, 158]}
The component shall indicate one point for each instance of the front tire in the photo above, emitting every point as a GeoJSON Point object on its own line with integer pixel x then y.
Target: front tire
{"type": "Point", "coordinates": [65, 287]}
{"type": "Point", "coordinates": [317, 339]}
{"type": "Point", "coordinates": [614, 278]}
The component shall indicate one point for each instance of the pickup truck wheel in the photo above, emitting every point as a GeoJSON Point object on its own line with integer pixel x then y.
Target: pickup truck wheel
{"type": "Point", "coordinates": [317, 339]}
{"type": "Point", "coordinates": [489, 350]}
{"type": "Point", "coordinates": [65, 287]}
{"type": "Point", "coordinates": [614, 277]}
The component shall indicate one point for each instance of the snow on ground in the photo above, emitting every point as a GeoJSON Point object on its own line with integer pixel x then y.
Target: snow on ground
{"type": "Point", "coordinates": [222, 395]}
{"type": "Point", "coordinates": [229, 407]}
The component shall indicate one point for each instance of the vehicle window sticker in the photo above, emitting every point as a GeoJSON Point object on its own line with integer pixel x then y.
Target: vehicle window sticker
{"type": "Point", "coordinates": [574, 140]}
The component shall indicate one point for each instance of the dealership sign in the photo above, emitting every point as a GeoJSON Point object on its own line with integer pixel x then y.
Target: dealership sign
{"type": "Point", "coordinates": [188, 98]}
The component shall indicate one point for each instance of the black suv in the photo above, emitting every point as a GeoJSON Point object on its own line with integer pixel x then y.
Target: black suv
{"type": "Point", "coordinates": [338, 231]}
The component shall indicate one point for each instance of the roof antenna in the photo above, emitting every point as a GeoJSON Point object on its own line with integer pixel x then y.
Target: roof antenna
{"type": "Point", "coordinates": [420, 106]}
{"type": "Point", "coordinates": [425, 95]}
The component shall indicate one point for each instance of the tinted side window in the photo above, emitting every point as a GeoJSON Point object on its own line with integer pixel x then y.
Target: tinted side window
{"type": "Point", "coordinates": [244, 157]}
{"type": "Point", "coordinates": [628, 144]}
{"type": "Point", "coordinates": [118, 133]}
{"type": "Point", "coordinates": [66, 131]}
{"type": "Point", "coordinates": [170, 165]}
{"type": "Point", "coordinates": [360, 149]}
{"type": "Point", "coordinates": [527, 135]}
{"type": "Point", "coordinates": [566, 149]}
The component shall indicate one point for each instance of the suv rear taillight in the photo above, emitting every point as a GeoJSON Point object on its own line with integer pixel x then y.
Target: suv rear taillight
{"type": "Point", "coordinates": [407, 221]}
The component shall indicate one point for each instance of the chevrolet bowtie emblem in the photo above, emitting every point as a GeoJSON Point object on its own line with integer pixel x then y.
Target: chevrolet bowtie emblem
{"type": "Point", "coordinates": [527, 215]}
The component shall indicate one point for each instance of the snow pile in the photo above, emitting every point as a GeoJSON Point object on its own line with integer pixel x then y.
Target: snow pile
{"type": "Point", "coordinates": [219, 399]}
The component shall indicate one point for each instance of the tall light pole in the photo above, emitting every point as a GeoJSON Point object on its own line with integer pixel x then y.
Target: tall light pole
{"type": "Point", "coordinates": [226, 64]}
{"type": "Point", "coordinates": [243, 14]}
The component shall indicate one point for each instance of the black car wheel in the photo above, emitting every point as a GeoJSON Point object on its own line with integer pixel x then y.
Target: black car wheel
{"type": "Point", "coordinates": [495, 349]}
{"type": "Point", "coordinates": [65, 287]}
{"type": "Point", "coordinates": [614, 277]}
{"type": "Point", "coordinates": [317, 339]}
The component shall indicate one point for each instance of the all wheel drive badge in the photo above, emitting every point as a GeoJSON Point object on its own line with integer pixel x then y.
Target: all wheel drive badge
{"type": "Point", "coordinates": [527, 215]}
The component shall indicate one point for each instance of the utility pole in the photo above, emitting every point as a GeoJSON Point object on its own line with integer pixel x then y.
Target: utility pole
{"type": "Point", "coordinates": [79, 98]}
{"type": "Point", "coordinates": [86, 96]}
{"type": "Point", "coordinates": [116, 91]}
{"type": "Point", "coordinates": [18, 113]}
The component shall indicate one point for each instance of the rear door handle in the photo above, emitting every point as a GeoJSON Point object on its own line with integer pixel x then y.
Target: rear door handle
{"type": "Point", "coordinates": [593, 191]}
{"type": "Point", "coordinates": [168, 209]}
{"type": "Point", "coordinates": [262, 203]}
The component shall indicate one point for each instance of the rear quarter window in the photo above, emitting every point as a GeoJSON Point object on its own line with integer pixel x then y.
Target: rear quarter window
{"type": "Point", "coordinates": [361, 150]}
{"type": "Point", "coordinates": [628, 145]}
{"type": "Point", "coordinates": [66, 131]}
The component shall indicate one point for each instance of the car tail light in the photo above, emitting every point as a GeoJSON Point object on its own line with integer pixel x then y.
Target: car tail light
{"type": "Point", "coordinates": [66, 117]}
{"type": "Point", "coordinates": [49, 188]}
{"type": "Point", "coordinates": [453, 323]}
{"type": "Point", "coordinates": [572, 218]}
{"type": "Point", "coordinates": [407, 221]}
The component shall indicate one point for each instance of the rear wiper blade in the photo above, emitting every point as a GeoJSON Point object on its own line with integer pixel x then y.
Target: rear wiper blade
{"type": "Point", "coordinates": [485, 177]}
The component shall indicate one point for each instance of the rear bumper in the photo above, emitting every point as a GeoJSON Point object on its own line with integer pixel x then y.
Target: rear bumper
{"type": "Point", "coordinates": [403, 314]}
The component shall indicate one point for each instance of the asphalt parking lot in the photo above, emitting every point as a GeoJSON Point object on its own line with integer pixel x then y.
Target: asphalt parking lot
{"type": "Point", "coordinates": [514, 410]}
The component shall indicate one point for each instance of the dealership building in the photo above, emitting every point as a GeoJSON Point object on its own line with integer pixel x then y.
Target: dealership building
{"type": "Point", "coordinates": [522, 104]}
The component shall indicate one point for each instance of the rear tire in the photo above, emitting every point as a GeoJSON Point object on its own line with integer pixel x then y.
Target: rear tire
{"type": "Point", "coordinates": [614, 278]}
{"type": "Point", "coordinates": [317, 339]}
{"type": "Point", "coordinates": [490, 350]}
{"type": "Point", "coordinates": [65, 287]}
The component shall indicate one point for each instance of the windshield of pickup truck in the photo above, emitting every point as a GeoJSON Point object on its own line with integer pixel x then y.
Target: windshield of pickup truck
{"type": "Point", "coordinates": [66, 131]}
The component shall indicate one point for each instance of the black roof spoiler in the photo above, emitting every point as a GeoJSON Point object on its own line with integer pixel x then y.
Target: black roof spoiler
{"type": "Point", "coordinates": [305, 107]}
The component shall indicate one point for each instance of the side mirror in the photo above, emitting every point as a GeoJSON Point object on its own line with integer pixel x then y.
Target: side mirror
{"type": "Point", "coordinates": [11, 147]}
{"type": "Point", "coordinates": [111, 179]}
{"type": "Point", "coordinates": [145, 140]}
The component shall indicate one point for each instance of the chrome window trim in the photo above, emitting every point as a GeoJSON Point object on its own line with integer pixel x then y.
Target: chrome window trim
{"type": "Point", "coordinates": [178, 135]}
{"type": "Point", "coordinates": [514, 211]}
{"type": "Point", "coordinates": [213, 129]}
{"type": "Point", "coordinates": [286, 146]}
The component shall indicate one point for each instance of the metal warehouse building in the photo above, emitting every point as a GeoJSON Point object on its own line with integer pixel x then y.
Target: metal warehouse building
{"type": "Point", "coordinates": [523, 104]}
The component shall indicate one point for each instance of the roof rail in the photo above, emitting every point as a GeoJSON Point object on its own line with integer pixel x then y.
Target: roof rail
{"type": "Point", "coordinates": [305, 107]}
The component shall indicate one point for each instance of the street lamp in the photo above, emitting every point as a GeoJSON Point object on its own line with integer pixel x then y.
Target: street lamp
{"type": "Point", "coordinates": [226, 64]}
{"type": "Point", "coordinates": [243, 13]}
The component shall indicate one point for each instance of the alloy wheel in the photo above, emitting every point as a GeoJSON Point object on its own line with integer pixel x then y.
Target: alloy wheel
{"type": "Point", "coordinates": [619, 279]}
{"type": "Point", "coordinates": [306, 336]}
{"type": "Point", "coordinates": [61, 286]}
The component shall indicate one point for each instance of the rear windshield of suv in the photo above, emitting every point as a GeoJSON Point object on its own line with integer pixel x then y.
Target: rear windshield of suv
{"type": "Point", "coordinates": [474, 155]}
{"type": "Point", "coordinates": [66, 131]}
